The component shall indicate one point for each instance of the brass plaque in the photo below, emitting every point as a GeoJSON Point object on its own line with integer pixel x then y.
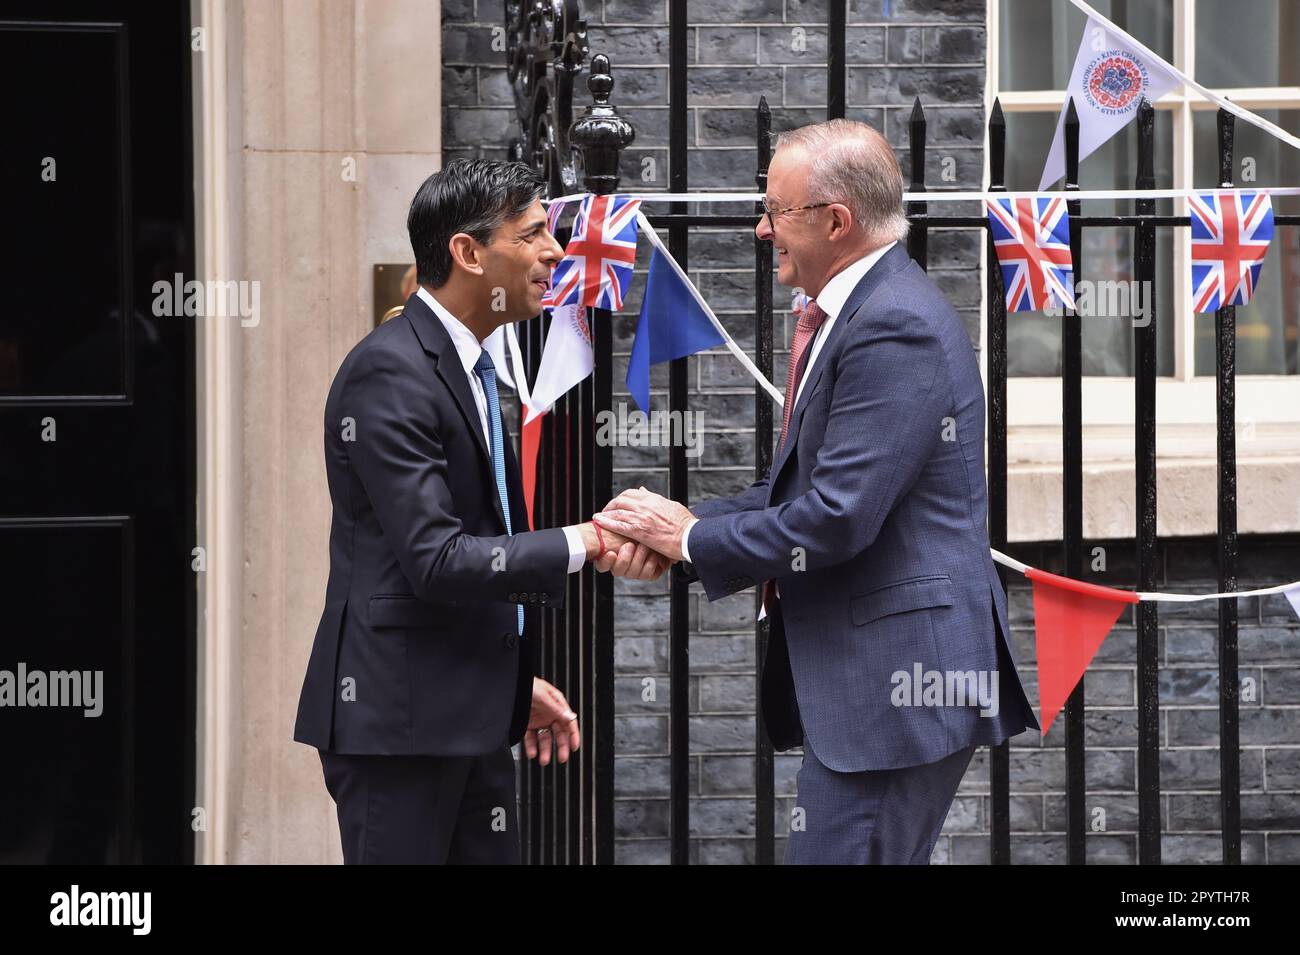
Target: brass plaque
{"type": "Point", "coordinates": [389, 294]}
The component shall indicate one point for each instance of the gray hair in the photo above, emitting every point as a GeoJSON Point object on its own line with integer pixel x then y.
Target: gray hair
{"type": "Point", "coordinates": [855, 165]}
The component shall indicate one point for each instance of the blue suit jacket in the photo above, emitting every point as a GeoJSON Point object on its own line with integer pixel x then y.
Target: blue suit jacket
{"type": "Point", "coordinates": [872, 520]}
{"type": "Point", "coordinates": [419, 614]}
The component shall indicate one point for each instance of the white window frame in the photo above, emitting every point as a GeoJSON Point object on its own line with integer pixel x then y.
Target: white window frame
{"type": "Point", "coordinates": [1183, 398]}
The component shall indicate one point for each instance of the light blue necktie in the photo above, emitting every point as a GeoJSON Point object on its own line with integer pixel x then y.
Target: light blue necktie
{"type": "Point", "coordinates": [487, 373]}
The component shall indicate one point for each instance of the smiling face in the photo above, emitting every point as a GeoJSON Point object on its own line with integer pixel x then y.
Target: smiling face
{"type": "Point", "coordinates": [802, 240]}
{"type": "Point", "coordinates": [517, 265]}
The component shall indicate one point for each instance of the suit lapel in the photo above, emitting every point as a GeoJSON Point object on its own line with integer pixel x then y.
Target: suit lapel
{"type": "Point", "coordinates": [892, 261]}
{"type": "Point", "coordinates": [437, 343]}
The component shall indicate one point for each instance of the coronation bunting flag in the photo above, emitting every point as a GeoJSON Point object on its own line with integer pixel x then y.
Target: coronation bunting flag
{"type": "Point", "coordinates": [672, 325]}
{"type": "Point", "coordinates": [1071, 620]}
{"type": "Point", "coordinates": [1112, 74]}
{"type": "Point", "coordinates": [597, 265]}
{"type": "Point", "coordinates": [566, 358]}
{"type": "Point", "coordinates": [1293, 597]}
{"type": "Point", "coordinates": [1230, 236]}
{"type": "Point", "coordinates": [553, 213]}
{"type": "Point", "coordinates": [1032, 239]}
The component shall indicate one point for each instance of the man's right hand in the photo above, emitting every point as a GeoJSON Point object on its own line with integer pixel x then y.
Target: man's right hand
{"type": "Point", "coordinates": [620, 555]}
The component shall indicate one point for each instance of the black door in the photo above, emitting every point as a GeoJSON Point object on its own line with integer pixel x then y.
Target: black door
{"type": "Point", "coordinates": [96, 434]}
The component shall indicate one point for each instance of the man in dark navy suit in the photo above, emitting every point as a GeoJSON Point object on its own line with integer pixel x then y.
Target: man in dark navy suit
{"type": "Point", "coordinates": [420, 678]}
{"type": "Point", "coordinates": [889, 659]}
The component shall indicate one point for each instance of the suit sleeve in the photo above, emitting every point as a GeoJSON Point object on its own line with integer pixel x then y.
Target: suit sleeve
{"type": "Point", "coordinates": [398, 457]}
{"type": "Point", "coordinates": [750, 499]}
{"type": "Point", "coordinates": [884, 423]}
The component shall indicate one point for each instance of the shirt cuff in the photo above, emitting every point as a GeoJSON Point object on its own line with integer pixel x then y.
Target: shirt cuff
{"type": "Point", "coordinates": [686, 534]}
{"type": "Point", "coordinates": [577, 549]}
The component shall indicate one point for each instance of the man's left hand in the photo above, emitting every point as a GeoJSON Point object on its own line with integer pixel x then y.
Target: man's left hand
{"type": "Point", "coordinates": [649, 518]}
{"type": "Point", "coordinates": [551, 725]}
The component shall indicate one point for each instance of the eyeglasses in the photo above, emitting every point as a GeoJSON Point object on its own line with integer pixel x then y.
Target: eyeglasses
{"type": "Point", "coordinates": [773, 213]}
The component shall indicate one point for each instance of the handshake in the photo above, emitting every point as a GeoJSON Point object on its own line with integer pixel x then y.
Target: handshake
{"type": "Point", "coordinates": [638, 535]}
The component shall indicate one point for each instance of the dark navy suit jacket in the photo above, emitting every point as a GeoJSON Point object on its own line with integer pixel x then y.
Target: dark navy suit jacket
{"type": "Point", "coordinates": [417, 649]}
{"type": "Point", "coordinates": [872, 521]}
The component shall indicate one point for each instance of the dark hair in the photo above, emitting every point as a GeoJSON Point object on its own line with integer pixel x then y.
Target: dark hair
{"type": "Point", "coordinates": [473, 196]}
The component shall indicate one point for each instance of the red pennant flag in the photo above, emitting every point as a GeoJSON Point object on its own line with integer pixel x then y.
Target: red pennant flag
{"type": "Point", "coordinates": [530, 440]}
{"type": "Point", "coordinates": [1071, 619]}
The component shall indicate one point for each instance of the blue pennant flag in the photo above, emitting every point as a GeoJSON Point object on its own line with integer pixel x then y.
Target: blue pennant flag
{"type": "Point", "coordinates": [672, 325]}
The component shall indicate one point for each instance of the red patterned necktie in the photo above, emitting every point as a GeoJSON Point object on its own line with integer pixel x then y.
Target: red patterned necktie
{"type": "Point", "coordinates": [810, 319]}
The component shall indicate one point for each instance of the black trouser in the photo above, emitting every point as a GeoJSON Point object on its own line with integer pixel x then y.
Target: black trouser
{"type": "Point", "coordinates": [429, 810]}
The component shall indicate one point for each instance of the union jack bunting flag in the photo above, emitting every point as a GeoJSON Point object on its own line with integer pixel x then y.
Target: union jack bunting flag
{"type": "Point", "coordinates": [553, 213]}
{"type": "Point", "coordinates": [597, 266]}
{"type": "Point", "coordinates": [1230, 236]}
{"type": "Point", "coordinates": [1032, 240]}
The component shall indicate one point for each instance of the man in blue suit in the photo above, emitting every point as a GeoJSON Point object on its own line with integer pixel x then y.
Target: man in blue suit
{"type": "Point", "coordinates": [421, 674]}
{"type": "Point", "coordinates": [889, 658]}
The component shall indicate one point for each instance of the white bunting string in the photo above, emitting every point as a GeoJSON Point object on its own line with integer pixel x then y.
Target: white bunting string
{"type": "Point", "coordinates": [966, 196]}
{"type": "Point", "coordinates": [1153, 595]}
{"type": "Point", "coordinates": [750, 197]}
{"type": "Point", "coordinates": [1006, 561]}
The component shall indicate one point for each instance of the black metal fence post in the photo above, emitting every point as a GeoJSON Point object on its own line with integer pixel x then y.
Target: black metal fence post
{"type": "Point", "coordinates": [531, 777]}
{"type": "Point", "coordinates": [1144, 380]}
{"type": "Point", "coordinates": [679, 662]}
{"type": "Point", "coordinates": [1225, 364]}
{"type": "Point", "coordinates": [569, 778]}
{"type": "Point", "coordinates": [836, 34]}
{"type": "Point", "coordinates": [918, 237]}
{"type": "Point", "coordinates": [996, 349]}
{"type": "Point", "coordinates": [1072, 495]}
{"type": "Point", "coordinates": [587, 612]}
{"type": "Point", "coordinates": [601, 135]}
{"type": "Point", "coordinates": [764, 767]}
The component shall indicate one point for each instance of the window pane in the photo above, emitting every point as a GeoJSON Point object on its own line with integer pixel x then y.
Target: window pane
{"type": "Point", "coordinates": [1039, 38]}
{"type": "Point", "coordinates": [1033, 339]}
{"type": "Point", "coordinates": [1268, 329]}
{"type": "Point", "coordinates": [1247, 43]}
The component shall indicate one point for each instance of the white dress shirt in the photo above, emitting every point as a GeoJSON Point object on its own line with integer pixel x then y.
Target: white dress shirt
{"type": "Point", "coordinates": [831, 300]}
{"type": "Point", "coordinates": [468, 349]}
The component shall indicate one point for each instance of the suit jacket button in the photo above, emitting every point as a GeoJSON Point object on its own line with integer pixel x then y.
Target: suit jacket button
{"type": "Point", "coordinates": [514, 597]}
{"type": "Point", "coordinates": [511, 639]}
